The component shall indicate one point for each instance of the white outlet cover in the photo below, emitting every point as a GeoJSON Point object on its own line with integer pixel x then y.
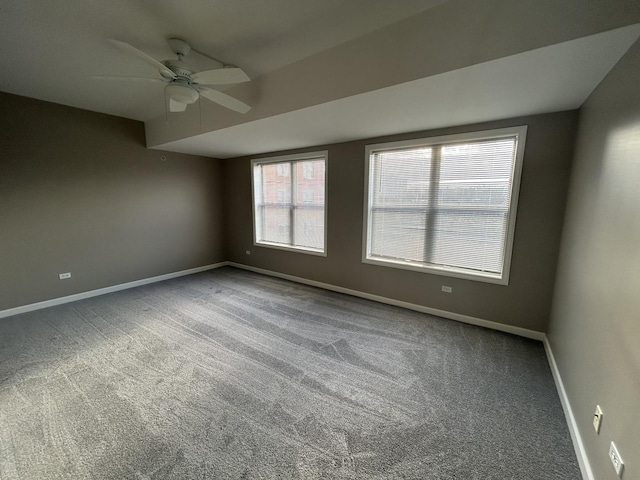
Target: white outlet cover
{"type": "Point", "coordinates": [447, 289]}
{"type": "Point", "coordinates": [616, 459]}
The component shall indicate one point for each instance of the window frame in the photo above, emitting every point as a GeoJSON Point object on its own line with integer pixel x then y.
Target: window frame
{"type": "Point", "coordinates": [519, 131]}
{"type": "Point", "coordinates": [296, 157]}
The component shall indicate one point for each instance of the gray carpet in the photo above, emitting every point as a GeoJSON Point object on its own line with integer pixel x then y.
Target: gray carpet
{"type": "Point", "coordinates": [233, 375]}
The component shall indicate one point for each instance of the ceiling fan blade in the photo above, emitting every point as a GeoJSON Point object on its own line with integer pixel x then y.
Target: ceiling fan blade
{"type": "Point", "coordinates": [220, 76]}
{"type": "Point", "coordinates": [164, 71]}
{"type": "Point", "coordinates": [123, 78]}
{"type": "Point", "coordinates": [224, 100]}
{"type": "Point", "coordinates": [176, 106]}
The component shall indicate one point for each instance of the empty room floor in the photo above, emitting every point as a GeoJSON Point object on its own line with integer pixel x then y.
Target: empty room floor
{"type": "Point", "coordinates": [233, 375]}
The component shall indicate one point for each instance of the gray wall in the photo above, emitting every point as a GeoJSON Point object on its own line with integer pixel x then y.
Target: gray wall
{"type": "Point", "coordinates": [525, 302]}
{"type": "Point", "coordinates": [80, 193]}
{"type": "Point", "coordinates": [595, 324]}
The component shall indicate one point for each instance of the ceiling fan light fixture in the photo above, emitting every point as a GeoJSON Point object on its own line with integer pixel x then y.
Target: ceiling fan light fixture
{"type": "Point", "coordinates": [181, 93]}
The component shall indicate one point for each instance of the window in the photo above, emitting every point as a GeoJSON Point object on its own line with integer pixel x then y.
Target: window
{"type": "Point", "coordinates": [289, 203]}
{"type": "Point", "coordinates": [445, 205]}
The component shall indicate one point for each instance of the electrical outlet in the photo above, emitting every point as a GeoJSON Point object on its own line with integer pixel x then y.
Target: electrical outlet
{"type": "Point", "coordinates": [248, 252]}
{"type": "Point", "coordinates": [447, 289]}
{"type": "Point", "coordinates": [62, 276]}
{"type": "Point", "coordinates": [616, 459]}
{"type": "Point", "coordinates": [597, 419]}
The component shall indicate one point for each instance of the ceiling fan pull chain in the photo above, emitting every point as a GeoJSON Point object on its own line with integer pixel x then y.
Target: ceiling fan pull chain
{"type": "Point", "coordinates": [166, 106]}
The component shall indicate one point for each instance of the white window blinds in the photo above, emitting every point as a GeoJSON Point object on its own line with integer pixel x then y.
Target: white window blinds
{"type": "Point", "coordinates": [289, 202]}
{"type": "Point", "coordinates": [445, 205]}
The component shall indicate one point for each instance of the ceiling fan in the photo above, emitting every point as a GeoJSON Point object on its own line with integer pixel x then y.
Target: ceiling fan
{"type": "Point", "coordinates": [184, 85]}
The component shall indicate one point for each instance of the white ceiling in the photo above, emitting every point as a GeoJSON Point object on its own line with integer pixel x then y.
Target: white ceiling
{"type": "Point", "coordinates": [50, 49]}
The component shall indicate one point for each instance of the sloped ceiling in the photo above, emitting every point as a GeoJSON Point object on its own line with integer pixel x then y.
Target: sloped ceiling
{"type": "Point", "coordinates": [321, 72]}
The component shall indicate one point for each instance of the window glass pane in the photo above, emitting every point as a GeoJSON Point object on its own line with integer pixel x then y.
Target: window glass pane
{"type": "Point", "coordinates": [476, 174]}
{"type": "Point", "coordinates": [309, 223]}
{"type": "Point", "coordinates": [398, 234]}
{"type": "Point", "coordinates": [309, 212]}
{"type": "Point", "coordinates": [473, 198]}
{"type": "Point", "coordinates": [276, 188]}
{"type": "Point", "coordinates": [276, 222]}
{"type": "Point", "coordinates": [401, 177]}
{"type": "Point", "coordinates": [468, 239]}
{"type": "Point", "coordinates": [310, 188]}
{"type": "Point", "coordinates": [401, 189]}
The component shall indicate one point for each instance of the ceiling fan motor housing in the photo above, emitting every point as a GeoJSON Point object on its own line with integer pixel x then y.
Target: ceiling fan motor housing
{"type": "Point", "coordinates": [180, 68]}
{"type": "Point", "coordinates": [179, 46]}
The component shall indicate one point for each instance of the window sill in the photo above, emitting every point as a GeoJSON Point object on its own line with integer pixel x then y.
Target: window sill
{"type": "Point", "coordinates": [434, 270]}
{"type": "Point", "coordinates": [291, 248]}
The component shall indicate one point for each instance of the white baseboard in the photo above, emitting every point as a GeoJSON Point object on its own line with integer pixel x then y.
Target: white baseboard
{"type": "Point", "coordinates": [523, 332]}
{"type": "Point", "coordinates": [583, 460]}
{"type": "Point", "coordinates": [101, 291]}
